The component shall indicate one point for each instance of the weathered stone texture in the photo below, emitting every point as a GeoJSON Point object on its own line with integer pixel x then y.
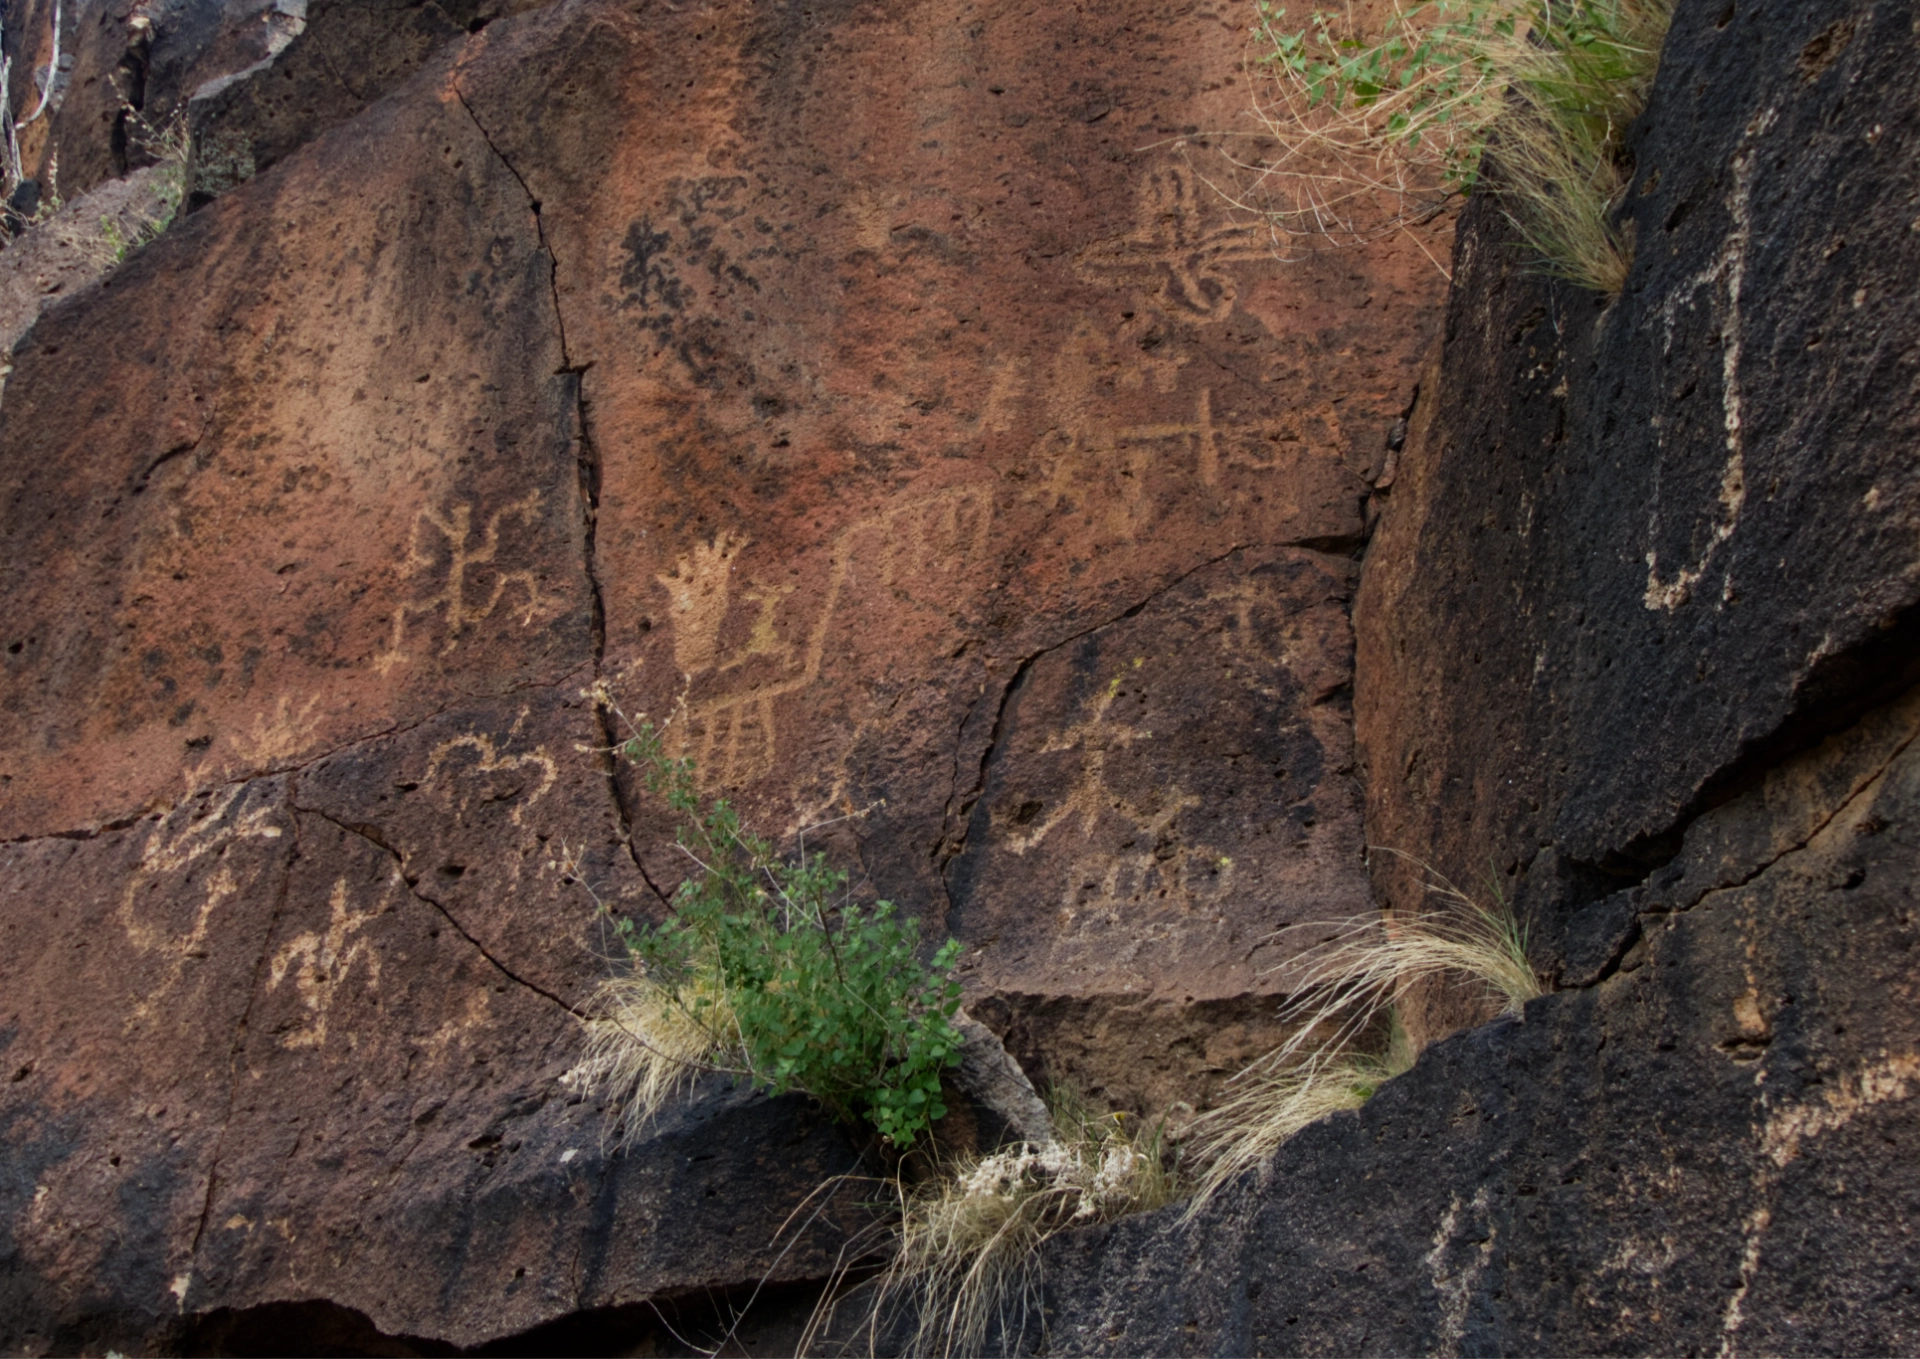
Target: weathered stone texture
{"type": "Point", "coordinates": [1682, 540]}
{"type": "Point", "coordinates": [866, 426]}
{"type": "Point", "coordinates": [1702, 1153]}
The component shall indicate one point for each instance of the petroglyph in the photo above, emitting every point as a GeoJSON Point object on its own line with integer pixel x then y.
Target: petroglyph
{"type": "Point", "coordinates": [535, 765]}
{"type": "Point", "coordinates": [1781, 1136]}
{"type": "Point", "coordinates": [443, 546]}
{"type": "Point", "coordinates": [922, 546]}
{"type": "Point", "coordinates": [697, 589]}
{"type": "Point", "coordinates": [1459, 1256]}
{"type": "Point", "coordinates": [1729, 268]}
{"type": "Point", "coordinates": [1138, 858]}
{"type": "Point", "coordinates": [193, 832]}
{"type": "Point", "coordinates": [1172, 254]}
{"type": "Point", "coordinates": [319, 962]}
{"type": "Point", "coordinates": [276, 737]}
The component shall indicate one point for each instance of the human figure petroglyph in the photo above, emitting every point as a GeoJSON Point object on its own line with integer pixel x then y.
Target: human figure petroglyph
{"type": "Point", "coordinates": [180, 841]}
{"type": "Point", "coordinates": [1172, 253]}
{"type": "Point", "coordinates": [454, 531]}
{"type": "Point", "coordinates": [319, 961]}
{"type": "Point", "coordinates": [1148, 851]}
{"type": "Point", "coordinates": [924, 543]}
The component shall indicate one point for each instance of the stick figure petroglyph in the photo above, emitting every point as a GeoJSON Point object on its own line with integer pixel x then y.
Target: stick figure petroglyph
{"type": "Point", "coordinates": [445, 542]}
{"type": "Point", "coordinates": [320, 960]}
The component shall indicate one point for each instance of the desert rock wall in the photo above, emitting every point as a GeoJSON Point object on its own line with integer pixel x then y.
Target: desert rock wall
{"type": "Point", "coordinates": [1635, 652]}
{"type": "Point", "coordinates": [876, 394]}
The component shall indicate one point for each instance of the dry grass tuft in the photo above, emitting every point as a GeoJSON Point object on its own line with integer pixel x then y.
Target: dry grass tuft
{"type": "Point", "coordinates": [965, 1260]}
{"type": "Point", "coordinates": [644, 1045]}
{"type": "Point", "coordinates": [1358, 133]}
{"type": "Point", "coordinates": [1346, 998]}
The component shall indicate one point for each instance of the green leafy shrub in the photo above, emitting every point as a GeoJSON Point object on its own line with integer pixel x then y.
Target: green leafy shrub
{"type": "Point", "coordinates": [767, 969]}
{"type": "Point", "coordinates": [1363, 132]}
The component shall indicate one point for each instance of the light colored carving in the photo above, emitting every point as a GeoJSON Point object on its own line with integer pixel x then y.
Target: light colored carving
{"type": "Point", "coordinates": [181, 839]}
{"type": "Point", "coordinates": [1173, 254]}
{"type": "Point", "coordinates": [319, 961]}
{"type": "Point", "coordinates": [455, 598]}
{"type": "Point", "coordinates": [1729, 267]}
{"type": "Point", "coordinates": [276, 737]}
{"type": "Point", "coordinates": [1890, 1080]}
{"type": "Point", "coordinates": [488, 760]}
{"type": "Point", "coordinates": [1117, 875]}
{"type": "Point", "coordinates": [928, 541]}
{"type": "Point", "coordinates": [697, 589]}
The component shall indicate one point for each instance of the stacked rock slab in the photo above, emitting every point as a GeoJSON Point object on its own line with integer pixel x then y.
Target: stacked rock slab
{"type": "Point", "coordinates": [873, 392]}
{"type": "Point", "coordinates": [1635, 642]}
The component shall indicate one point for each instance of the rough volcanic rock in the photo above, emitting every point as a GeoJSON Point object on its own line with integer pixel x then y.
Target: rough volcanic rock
{"type": "Point", "coordinates": [125, 73]}
{"type": "Point", "coordinates": [346, 54]}
{"type": "Point", "coordinates": [864, 427]}
{"type": "Point", "coordinates": [1703, 1153]}
{"type": "Point", "coordinates": [1681, 541]}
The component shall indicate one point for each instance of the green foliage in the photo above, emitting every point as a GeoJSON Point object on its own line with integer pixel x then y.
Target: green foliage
{"type": "Point", "coordinates": [808, 990]}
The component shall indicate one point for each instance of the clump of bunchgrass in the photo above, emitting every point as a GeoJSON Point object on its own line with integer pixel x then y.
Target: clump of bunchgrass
{"type": "Point", "coordinates": [646, 1043]}
{"type": "Point", "coordinates": [964, 1264]}
{"type": "Point", "coordinates": [1360, 132]}
{"type": "Point", "coordinates": [1346, 1037]}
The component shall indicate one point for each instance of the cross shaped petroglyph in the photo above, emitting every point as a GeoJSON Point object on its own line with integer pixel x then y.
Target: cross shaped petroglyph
{"type": "Point", "coordinates": [919, 545]}
{"type": "Point", "coordinates": [445, 542]}
{"type": "Point", "coordinates": [320, 960]}
{"type": "Point", "coordinates": [1090, 796]}
{"type": "Point", "coordinates": [1172, 253]}
{"type": "Point", "coordinates": [1109, 876]}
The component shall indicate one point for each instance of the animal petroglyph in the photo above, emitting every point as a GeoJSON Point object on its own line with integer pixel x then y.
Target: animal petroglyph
{"type": "Point", "coordinates": [1172, 253]}
{"type": "Point", "coordinates": [926, 543]}
{"type": "Point", "coordinates": [535, 766]}
{"type": "Point", "coordinates": [190, 836]}
{"type": "Point", "coordinates": [319, 961]}
{"type": "Point", "coordinates": [1729, 270]}
{"type": "Point", "coordinates": [444, 545]}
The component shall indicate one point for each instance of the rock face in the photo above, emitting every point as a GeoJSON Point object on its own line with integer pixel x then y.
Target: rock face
{"type": "Point", "coordinates": [1634, 560]}
{"type": "Point", "coordinates": [1684, 535]}
{"type": "Point", "coordinates": [1708, 1151]}
{"type": "Point", "coordinates": [942, 465]}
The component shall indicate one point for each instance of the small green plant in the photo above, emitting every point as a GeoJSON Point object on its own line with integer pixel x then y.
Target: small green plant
{"type": "Point", "coordinates": [1362, 133]}
{"type": "Point", "coordinates": [769, 970]}
{"type": "Point", "coordinates": [1347, 1039]}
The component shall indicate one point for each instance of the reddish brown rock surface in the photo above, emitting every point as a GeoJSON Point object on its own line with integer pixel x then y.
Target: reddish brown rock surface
{"type": "Point", "coordinates": [872, 391]}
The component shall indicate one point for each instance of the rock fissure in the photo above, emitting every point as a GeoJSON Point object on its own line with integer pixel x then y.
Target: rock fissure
{"type": "Point", "coordinates": [371, 834]}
